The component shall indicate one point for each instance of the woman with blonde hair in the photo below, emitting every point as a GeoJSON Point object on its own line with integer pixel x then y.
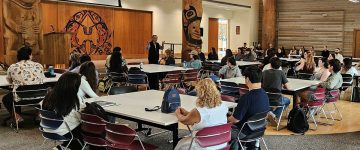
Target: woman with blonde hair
{"type": "Point", "coordinates": [168, 59]}
{"type": "Point", "coordinates": [307, 65]}
{"type": "Point", "coordinates": [209, 111]}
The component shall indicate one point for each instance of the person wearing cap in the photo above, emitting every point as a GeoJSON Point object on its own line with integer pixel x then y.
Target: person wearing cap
{"type": "Point", "coordinates": [200, 53]}
{"type": "Point", "coordinates": [195, 60]}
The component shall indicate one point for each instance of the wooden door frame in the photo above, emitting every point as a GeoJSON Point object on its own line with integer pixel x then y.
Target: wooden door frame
{"type": "Point", "coordinates": [354, 41]}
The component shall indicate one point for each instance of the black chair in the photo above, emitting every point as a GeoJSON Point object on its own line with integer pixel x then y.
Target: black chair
{"type": "Point", "coordinates": [257, 124]}
{"type": "Point", "coordinates": [275, 97]}
{"type": "Point", "coordinates": [347, 82]}
{"type": "Point", "coordinates": [52, 121]}
{"type": "Point", "coordinates": [121, 90]}
{"type": "Point", "coordinates": [138, 78]}
{"type": "Point", "coordinates": [230, 89]}
{"type": "Point", "coordinates": [117, 79]}
{"type": "Point", "coordinates": [28, 95]}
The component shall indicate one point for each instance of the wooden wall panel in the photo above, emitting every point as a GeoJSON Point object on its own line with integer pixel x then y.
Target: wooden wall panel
{"type": "Point", "coordinates": [314, 9]}
{"type": "Point", "coordinates": [213, 34]}
{"type": "Point", "coordinates": [131, 29]}
{"type": "Point", "coordinates": [356, 43]}
{"type": "Point", "coordinates": [2, 49]}
{"type": "Point", "coordinates": [269, 21]}
{"type": "Point", "coordinates": [311, 28]}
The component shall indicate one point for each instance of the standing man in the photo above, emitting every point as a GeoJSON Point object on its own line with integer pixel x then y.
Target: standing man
{"type": "Point", "coordinates": [153, 48]}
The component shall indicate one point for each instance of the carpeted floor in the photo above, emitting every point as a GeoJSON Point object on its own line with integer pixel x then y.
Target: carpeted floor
{"type": "Point", "coordinates": [29, 138]}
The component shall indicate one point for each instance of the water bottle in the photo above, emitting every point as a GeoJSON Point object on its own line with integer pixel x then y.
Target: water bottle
{"type": "Point", "coordinates": [51, 70]}
{"type": "Point", "coordinates": [141, 65]}
{"type": "Point", "coordinates": [184, 64]}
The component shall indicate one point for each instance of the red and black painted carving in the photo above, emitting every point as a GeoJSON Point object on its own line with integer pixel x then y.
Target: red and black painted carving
{"type": "Point", "coordinates": [97, 33]}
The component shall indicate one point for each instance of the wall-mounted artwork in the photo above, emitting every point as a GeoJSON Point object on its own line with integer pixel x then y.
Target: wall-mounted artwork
{"type": "Point", "coordinates": [237, 30]}
{"type": "Point", "coordinates": [97, 35]}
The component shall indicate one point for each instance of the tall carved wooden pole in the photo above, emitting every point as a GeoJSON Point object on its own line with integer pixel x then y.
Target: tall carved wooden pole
{"type": "Point", "coordinates": [269, 23]}
{"type": "Point", "coordinates": [191, 18]}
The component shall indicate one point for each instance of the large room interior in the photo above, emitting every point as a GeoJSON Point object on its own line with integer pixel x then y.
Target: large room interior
{"type": "Point", "coordinates": [168, 51]}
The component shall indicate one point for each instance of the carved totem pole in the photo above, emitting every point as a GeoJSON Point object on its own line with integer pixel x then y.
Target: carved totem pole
{"type": "Point", "coordinates": [191, 18]}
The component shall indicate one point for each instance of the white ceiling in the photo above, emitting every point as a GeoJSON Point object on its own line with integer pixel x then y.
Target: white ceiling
{"type": "Point", "coordinates": [229, 7]}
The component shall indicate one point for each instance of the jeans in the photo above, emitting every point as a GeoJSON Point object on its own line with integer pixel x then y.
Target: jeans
{"type": "Point", "coordinates": [284, 102]}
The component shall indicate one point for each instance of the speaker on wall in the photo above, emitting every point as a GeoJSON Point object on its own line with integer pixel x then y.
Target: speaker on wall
{"type": "Point", "coordinates": [201, 31]}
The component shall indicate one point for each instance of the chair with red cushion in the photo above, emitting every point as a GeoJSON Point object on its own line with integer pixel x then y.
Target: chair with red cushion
{"type": "Point", "coordinates": [93, 128]}
{"type": "Point", "coordinates": [315, 103]}
{"type": "Point", "coordinates": [212, 136]}
{"type": "Point", "coordinates": [171, 79]}
{"type": "Point", "coordinates": [189, 77]}
{"type": "Point", "coordinates": [331, 98]}
{"type": "Point", "coordinates": [122, 137]}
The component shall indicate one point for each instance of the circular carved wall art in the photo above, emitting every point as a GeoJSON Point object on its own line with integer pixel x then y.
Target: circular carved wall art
{"type": "Point", "coordinates": [90, 33]}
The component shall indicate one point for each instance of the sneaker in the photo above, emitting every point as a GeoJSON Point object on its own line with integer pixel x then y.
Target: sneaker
{"type": "Point", "coordinates": [272, 119]}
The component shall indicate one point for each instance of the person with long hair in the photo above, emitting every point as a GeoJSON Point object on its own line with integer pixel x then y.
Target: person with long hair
{"type": "Point", "coordinates": [67, 106]}
{"type": "Point", "coordinates": [88, 72]}
{"type": "Point", "coordinates": [307, 65]}
{"type": "Point", "coordinates": [348, 67]}
{"type": "Point", "coordinates": [116, 63]}
{"type": "Point", "coordinates": [281, 52]}
{"type": "Point", "coordinates": [213, 54]}
{"type": "Point", "coordinates": [241, 54]}
{"type": "Point", "coordinates": [323, 73]}
{"type": "Point", "coordinates": [209, 111]}
{"type": "Point", "coordinates": [227, 55]}
{"type": "Point", "coordinates": [74, 60]}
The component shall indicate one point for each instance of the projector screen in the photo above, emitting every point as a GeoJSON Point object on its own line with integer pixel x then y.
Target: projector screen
{"type": "Point", "coordinates": [102, 2]}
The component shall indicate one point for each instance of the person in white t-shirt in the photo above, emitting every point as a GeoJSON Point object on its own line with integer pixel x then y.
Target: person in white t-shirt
{"type": "Point", "coordinates": [209, 111]}
{"type": "Point", "coordinates": [348, 68]}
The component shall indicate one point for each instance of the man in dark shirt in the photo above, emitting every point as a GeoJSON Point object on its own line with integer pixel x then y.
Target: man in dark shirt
{"type": "Point", "coordinates": [275, 79]}
{"type": "Point", "coordinates": [325, 53]}
{"type": "Point", "coordinates": [200, 53]}
{"type": "Point", "coordinates": [153, 48]}
{"type": "Point", "coordinates": [253, 102]}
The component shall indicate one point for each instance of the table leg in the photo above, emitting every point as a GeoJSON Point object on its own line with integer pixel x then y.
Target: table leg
{"type": "Point", "coordinates": [294, 99]}
{"type": "Point", "coordinates": [357, 81]}
{"type": "Point", "coordinates": [153, 81]}
{"type": "Point", "coordinates": [175, 131]}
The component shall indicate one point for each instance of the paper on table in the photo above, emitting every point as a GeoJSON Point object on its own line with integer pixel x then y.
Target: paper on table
{"type": "Point", "coordinates": [105, 103]}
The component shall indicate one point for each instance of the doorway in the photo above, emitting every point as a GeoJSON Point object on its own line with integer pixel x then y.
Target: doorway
{"type": "Point", "coordinates": [218, 34]}
{"type": "Point", "coordinates": [356, 52]}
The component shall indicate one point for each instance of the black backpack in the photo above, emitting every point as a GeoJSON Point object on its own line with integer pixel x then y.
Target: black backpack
{"type": "Point", "coordinates": [97, 110]}
{"type": "Point", "coordinates": [297, 121]}
{"type": "Point", "coordinates": [356, 94]}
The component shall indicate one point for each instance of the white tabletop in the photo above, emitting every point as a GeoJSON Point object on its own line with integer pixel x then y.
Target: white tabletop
{"type": "Point", "coordinates": [239, 63]}
{"type": "Point", "coordinates": [154, 68]}
{"type": "Point", "coordinates": [290, 59]}
{"type": "Point", "coordinates": [294, 84]}
{"type": "Point", "coordinates": [4, 82]}
{"type": "Point", "coordinates": [133, 105]}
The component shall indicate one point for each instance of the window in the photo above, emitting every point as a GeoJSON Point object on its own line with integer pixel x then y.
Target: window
{"type": "Point", "coordinates": [223, 34]}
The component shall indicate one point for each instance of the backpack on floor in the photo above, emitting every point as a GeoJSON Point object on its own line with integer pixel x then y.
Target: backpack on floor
{"type": "Point", "coordinates": [356, 94]}
{"type": "Point", "coordinates": [171, 101]}
{"type": "Point", "coordinates": [95, 109]}
{"type": "Point", "coordinates": [297, 121]}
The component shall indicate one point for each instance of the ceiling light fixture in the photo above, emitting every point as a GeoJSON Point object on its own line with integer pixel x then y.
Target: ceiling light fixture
{"type": "Point", "coordinates": [355, 1]}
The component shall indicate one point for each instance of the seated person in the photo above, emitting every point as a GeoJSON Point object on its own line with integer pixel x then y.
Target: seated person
{"type": "Point", "coordinates": [230, 70]}
{"type": "Point", "coordinates": [24, 72]}
{"type": "Point", "coordinates": [116, 63]}
{"type": "Point", "coordinates": [348, 68]}
{"type": "Point", "coordinates": [339, 56]}
{"type": "Point", "coordinates": [210, 111]}
{"type": "Point", "coordinates": [228, 53]}
{"type": "Point", "coordinates": [241, 54]}
{"type": "Point", "coordinates": [200, 53]}
{"type": "Point", "coordinates": [334, 81]}
{"type": "Point", "coordinates": [88, 73]}
{"type": "Point", "coordinates": [266, 61]}
{"type": "Point", "coordinates": [275, 79]}
{"type": "Point", "coordinates": [213, 54]}
{"type": "Point", "coordinates": [67, 106]}
{"type": "Point", "coordinates": [307, 65]}
{"type": "Point", "coordinates": [116, 49]}
{"type": "Point", "coordinates": [323, 73]}
{"type": "Point", "coordinates": [249, 55]}
{"type": "Point", "coordinates": [253, 102]}
{"type": "Point", "coordinates": [168, 59]}
{"type": "Point", "coordinates": [84, 58]}
{"type": "Point", "coordinates": [195, 61]}
{"type": "Point", "coordinates": [74, 60]}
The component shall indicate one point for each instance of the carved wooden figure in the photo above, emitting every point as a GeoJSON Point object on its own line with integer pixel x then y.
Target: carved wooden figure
{"type": "Point", "coordinates": [192, 14]}
{"type": "Point", "coordinates": [22, 26]}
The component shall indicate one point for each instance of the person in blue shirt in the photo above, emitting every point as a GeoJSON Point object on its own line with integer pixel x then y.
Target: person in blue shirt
{"type": "Point", "coordinates": [195, 61]}
{"type": "Point", "coordinates": [253, 102]}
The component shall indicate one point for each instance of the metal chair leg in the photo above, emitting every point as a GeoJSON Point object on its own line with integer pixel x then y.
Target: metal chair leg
{"type": "Point", "coordinates": [338, 111]}
{"type": "Point", "coordinates": [84, 146]}
{"type": "Point", "coordinates": [264, 143]}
